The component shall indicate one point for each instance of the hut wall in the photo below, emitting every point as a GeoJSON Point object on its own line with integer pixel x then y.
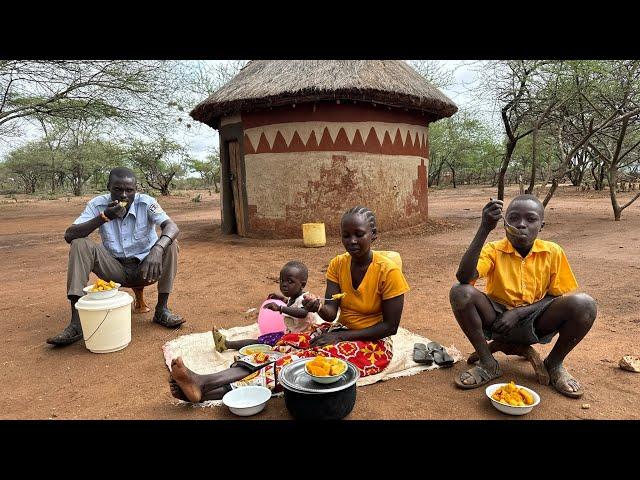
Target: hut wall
{"type": "Point", "coordinates": [311, 163]}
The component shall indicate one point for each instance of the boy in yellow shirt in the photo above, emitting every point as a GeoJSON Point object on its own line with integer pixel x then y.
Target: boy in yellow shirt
{"type": "Point", "coordinates": [525, 300]}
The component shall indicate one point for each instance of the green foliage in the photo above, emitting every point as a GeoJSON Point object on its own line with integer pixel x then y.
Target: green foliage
{"type": "Point", "coordinates": [209, 169]}
{"type": "Point", "coordinates": [462, 149]}
{"type": "Point", "coordinates": [158, 162]}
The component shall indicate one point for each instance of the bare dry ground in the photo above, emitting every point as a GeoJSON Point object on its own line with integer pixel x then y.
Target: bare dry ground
{"type": "Point", "coordinates": [220, 277]}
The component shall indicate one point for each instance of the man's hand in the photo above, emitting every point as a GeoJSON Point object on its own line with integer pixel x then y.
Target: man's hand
{"type": "Point", "coordinates": [272, 306]}
{"type": "Point", "coordinates": [310, 303]}
{"type": "Point", "coordinates": [151, 267]}
{"type": "Point", "coordinates": [491, 214]}
{"type": "Point", "coordinates": [326, 338]}
{"type": "Point", "coordinates": [506, 322]}
{"type": "Point", "coordinates": [275, 296]}
{"type": "Point", "coordinates": [114, 210]}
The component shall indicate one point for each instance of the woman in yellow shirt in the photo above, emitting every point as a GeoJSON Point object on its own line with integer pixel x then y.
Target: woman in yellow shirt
{"type": "Point", "coordinates": [525, 300]}
{"type": "Point", "coordinates": [370, 312]}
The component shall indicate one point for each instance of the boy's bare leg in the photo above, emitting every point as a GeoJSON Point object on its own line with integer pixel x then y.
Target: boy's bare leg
{"type": "Point", "coordinates": [473, 311]}
{"type": "Point", "coordinates": [196, 387]}
{"type": "Point", "coordinates": [572, 316]}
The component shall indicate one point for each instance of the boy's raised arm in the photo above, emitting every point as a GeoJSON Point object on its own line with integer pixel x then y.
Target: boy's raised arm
{"type": "Point", "coordinates": [491, 214]}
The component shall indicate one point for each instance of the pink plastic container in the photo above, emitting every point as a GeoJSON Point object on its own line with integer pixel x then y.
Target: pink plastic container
{"type": "Point", "coordinates": [270, 321]}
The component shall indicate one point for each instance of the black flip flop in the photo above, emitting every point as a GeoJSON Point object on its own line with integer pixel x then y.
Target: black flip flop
{"type": "Point", "coordinates": [440, 355]}
{"type": "Point", "coordinates": [168, 319]}
{"type": "Point", "coordinates": [421, 355]}
{"type": "Point", "coordinates": [65, 337]}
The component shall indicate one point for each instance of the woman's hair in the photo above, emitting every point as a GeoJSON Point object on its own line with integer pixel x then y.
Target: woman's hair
{"type": "Point", "coordinates": [366, 213]}
{"type": "Point", "coordinates": [299, 266]}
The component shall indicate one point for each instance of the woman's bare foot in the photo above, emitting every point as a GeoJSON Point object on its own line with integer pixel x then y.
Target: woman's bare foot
{"type": "Point", "coordinates": [176, 391]}
{"type": "Point", "coordinates": [186, 380]}
{"type": "Point", "coordinates": [219, 340]}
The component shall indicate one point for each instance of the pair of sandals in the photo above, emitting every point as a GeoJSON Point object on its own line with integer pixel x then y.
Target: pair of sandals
{"type": "Point", "coordinates": [432, 353]}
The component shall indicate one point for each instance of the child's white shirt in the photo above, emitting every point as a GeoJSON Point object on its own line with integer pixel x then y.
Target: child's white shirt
{"type": "Point", "coordinates": [301, 325]}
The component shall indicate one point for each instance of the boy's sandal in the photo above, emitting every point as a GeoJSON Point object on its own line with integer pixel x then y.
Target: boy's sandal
{"type": "Point", "coordinates": [440, 355]}
{"type": "Point", "coordinates": [555, 378]}
{"type": "Point", "coordinates": [421, 355]}
{"type": "Point", "coordinates": [480, 375]}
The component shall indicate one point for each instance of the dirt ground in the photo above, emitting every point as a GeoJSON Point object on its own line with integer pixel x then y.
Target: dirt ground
{"type": "Point", "coordinates": [220, 277]}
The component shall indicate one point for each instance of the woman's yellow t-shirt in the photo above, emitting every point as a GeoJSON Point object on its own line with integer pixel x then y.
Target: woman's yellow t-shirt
{"type": "Point", "coordinates": [362, 307]}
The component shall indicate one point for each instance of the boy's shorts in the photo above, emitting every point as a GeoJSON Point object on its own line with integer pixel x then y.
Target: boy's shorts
{"type": "Point", "coordinates": [524, 332]}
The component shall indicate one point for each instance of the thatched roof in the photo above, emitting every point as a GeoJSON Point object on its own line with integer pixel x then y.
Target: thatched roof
{"type": "Point", "coordinates": [270, 83]}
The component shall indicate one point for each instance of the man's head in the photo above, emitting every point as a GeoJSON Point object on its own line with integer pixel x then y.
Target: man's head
{"type": "Point", "coordinates": [122, 184]}
{"type": "Point", "coordinates": [526, 213]}
{"type": "Point", "coordinates": [293, 278]}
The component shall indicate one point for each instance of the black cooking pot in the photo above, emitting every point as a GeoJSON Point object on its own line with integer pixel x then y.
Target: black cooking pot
{"type": "Point", "coordinates": [320, 406]}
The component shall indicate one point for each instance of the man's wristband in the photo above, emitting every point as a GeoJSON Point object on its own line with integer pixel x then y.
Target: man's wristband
{"type": "Point", "coordinates": [158, 245]}
{"type": "Point", "coordinates": [170, 239]}
{"type": "Point", "coordinates": [104, 217]}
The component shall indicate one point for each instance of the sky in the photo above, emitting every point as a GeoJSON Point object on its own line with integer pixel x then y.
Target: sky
{"type": "Point", "coordinates": [200, 139]}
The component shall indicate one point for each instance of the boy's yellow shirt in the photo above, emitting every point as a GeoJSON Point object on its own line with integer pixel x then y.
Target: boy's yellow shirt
{"type": "Point", "coordinates": [514, 281]}
{"type": "Point", "coordinates": [362, 307]}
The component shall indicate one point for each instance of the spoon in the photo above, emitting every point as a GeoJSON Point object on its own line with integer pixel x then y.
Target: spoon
{"type": "Point", "coordinates": [509, 228]}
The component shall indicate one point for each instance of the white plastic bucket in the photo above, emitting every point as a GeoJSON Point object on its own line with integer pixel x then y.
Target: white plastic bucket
{"type": "Point", "coordinates": [106, 324]}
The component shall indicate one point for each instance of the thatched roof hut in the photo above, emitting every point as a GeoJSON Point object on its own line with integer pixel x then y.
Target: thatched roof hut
{"type": "Point", "coordinates": [272, 83]}
{"type": "Point", "coordinates": [303, 140]}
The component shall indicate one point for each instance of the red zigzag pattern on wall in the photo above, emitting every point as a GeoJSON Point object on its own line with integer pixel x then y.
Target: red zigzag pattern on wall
{"type": "Point", "coordinates": [414, 147]}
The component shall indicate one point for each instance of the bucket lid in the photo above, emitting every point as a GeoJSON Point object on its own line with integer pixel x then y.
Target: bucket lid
{"type": "Point", "coordinates": [120, 299]}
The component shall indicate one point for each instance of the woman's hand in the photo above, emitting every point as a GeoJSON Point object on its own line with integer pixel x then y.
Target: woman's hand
{"type": "Point", "coordinates": [326, 338]}
{"type": "Point", "coordinates": [275, 296]}
{"type": "Point", "coordinates": [311, 303]}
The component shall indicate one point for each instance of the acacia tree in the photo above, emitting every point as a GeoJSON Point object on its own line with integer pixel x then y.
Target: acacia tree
{"type": "Point", "coordinates": [159, 161]}
{"type": "Point", "coordinates": [458, 143]}
{"type": "Point", "coordinates": [27, 165]}
{"type": "Point", "coordinates": [137, 91]}
{"type": "Point", "coordinates": [594, 111]}
{"type": "Point", "coordinates": [617, 145]}
{"type": "Point", "coordinates": [209, 169]}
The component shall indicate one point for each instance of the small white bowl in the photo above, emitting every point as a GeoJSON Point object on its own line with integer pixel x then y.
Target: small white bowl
{"type": "Point", "coordinates": [256, 347]}
{"type": "Point", "coordinates": [246, 401]}
{"type": "Point", "coordinates": [328, 378]}
{"type": "Point", "coordinates": [511, 409]}
{"type": "Point", "coordinates": [100, 295]}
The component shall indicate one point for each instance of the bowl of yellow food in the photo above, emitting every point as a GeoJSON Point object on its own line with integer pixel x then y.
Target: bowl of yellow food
{"type": "Point", "coordinates": [512, 399]}
{"type": "Point", "coordinates": [101, 289]}
{"type": "Point", "coordinates": [325, 369]}
{"type": "Point", "coordinates": [255, 348]}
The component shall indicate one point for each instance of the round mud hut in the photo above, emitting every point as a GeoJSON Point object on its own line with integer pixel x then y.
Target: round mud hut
{"type": "Point", "coordinates": [302, 141]}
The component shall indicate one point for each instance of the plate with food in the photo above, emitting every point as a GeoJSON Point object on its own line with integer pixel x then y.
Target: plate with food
{"type": "Point", "coordinates": [101, 289]}
{"type": "Point", "coordinates": [255, 348]}
{"type": "Point", "coordinates": [511, 398]}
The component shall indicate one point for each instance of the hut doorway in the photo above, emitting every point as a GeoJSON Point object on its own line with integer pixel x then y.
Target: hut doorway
{"type": "Point", "coordinates": [237, 188]}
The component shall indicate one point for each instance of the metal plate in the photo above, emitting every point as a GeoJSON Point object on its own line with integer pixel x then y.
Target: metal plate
{"type": "Point", "coordinates": [294, 377]}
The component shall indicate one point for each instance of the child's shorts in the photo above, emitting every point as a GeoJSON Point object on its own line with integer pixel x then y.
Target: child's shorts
{"type": "Point", "coordinates": [524, 332]}
{"type": "Point", "coordinates": [270, 338]}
